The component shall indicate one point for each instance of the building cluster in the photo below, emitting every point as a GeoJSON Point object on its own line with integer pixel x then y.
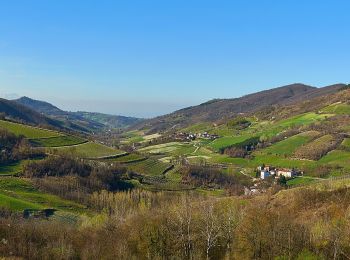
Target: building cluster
{"type": "Point", "coordinates": [192, 136]}
{"type": "Point", "coordinates": [267, 171]}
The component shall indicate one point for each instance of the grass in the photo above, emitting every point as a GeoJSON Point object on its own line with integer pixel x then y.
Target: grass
{"type": "Point", "coordinates": [149, 167]}
{"type": "Point", "coordinates": [263, 128]}
{"type": "Point", "coordinates": [132, 137]}
{"type": "Point", "coordinates": [19, 194]}
{"type": "Point", "coordinates": [172, 148]}
{"type": "Point", "coordinates": [289, 145]}
{"type": "Point", "coordinates": [314, 146]}
{"type": "Point", "coordinates": [337, 157]}
{"type": "Point", "coordinates": [300, 181]}
{"type": "Point", "coordinates": [227, 141]}
{"type": "Point", "coordinates": [279, 154]}
{"type": "Point", "coordinates": [196, 128]}
{"type": "Point", "coordinates": [150, 137]}
{"type": "Point", "coordinates": [11, 169]}
{"type": "Point", "coordinates": [90, 150]}
{"type": "Point", "coordinates": [304, 119]}
{"type": "Point", "coordinates": [337, 108]}
{"type": "Point", "coordinates": [28, 131]}
{"type": "Point", "coordinates": [65, 140]}
{"type": "Point", "coordinates": [127, 158]}
{"type": "Point", "coordinates": [346, 143]}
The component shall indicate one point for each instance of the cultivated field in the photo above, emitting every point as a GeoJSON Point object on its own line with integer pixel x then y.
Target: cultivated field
{"type": "Point", "coordinates": [129, 158]}
{"type": "Point", "coordinates": [19, 194]}
{"type": "Point", "coordinates": [337, 108]}
{"type": "Point", "coordinates": [149, 167]}
{"type": "Point", "coordinates": [173, 148]}
{"type": "Point", "coordinates": [289, 145]}
{"type": "Point", "coordinates": [90, 150]}
{"type": "Point", "coordinates": [28, 131]}
{"type": "Point", "coordinates": [65, 140]}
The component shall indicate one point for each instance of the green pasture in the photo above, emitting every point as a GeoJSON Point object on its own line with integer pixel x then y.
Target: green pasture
{"type": "Point", "coordinates": [289, 145]}
{"type": "Point", "coordinates": [337, 157]}
{"type": "Point", "coordinates": [172, 148]}
{"type": "Point", "coordinates": [11, 169]}
{"type": "Point", "coordinates": [132, 137]}
{"type": "Point", "coordinates": [65, 140]}
{"type": "Point", "coordinates": [227, 141]}
{"type": "Point", "coordinates": [90, 150]}
{"type": "Point", "coordinates": [337, 108]}
{"type": "Point", "coordinates": [149, 167]}
{"type": "Point", "coordinates": [19, 194]}
{"type": "Point", "coordinates": [300, 181]}
{"type": "Point", "coordinates": [304, 119]}
{"type": "Point", "coordinates": [27, 131]}
{"type": "Point", "coordinates": [198, 128]}
{"type": "Point", "coordinates": [346, 143]}
{"type": "Point", "coordinates": [127, 158]}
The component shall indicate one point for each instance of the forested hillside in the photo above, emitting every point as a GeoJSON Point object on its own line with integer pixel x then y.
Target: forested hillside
{"type": "Point", "coordinates": [219, 110]}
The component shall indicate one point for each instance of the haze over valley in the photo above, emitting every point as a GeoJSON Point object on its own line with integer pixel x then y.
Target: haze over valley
{"type": "Point", "coordinates": [174, 130]}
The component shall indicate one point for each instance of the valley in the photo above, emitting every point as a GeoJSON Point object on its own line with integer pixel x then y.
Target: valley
{"type": "Point", "coordinates": [77, 177]}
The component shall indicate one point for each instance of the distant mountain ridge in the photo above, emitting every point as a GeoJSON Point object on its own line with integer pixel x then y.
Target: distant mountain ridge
{"type": "Point", "coordinates": [216, 110]}
{"type": "Point", "coordinates": [83, 121]}
{"type": "Point", "coordinates": [18, 112]}
{"type": "Point", "coordinates": [39, 106]}
{"type": "Point", "coordinates": [221, 109]}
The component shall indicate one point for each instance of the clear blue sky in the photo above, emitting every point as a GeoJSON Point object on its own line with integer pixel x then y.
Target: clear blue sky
{"type": "Point", "coordinates": [146, 58]}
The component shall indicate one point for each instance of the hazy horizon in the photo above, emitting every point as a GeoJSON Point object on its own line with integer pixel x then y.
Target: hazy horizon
{"type": "Point", "coordinates": [103, 106]}
{"type": "Point", "coordinates": [147, 59]}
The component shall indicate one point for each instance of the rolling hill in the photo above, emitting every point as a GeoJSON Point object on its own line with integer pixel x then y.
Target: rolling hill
{"type": "Point", "coordinates": [18, 112]}
{"type": "Point", "coordinates": [81, 121]}
{"type": "Point", "coordinates": [222, 109]}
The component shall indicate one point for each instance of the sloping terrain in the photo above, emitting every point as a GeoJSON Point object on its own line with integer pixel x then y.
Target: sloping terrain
{"type": "Point", "coordinates": [310, 135]}
{"type": "Point", "coordinates": [19, 112]}
{"type": "Point", "coordinates": [82, 121]}
{"type": "Point", "coordinates": [222, 109]}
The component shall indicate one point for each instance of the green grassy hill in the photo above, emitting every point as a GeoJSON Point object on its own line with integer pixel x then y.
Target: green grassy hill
{"type": "Point", "coordinates": [19, 194]}
{"type": "Point", "coordinates": [318, 139]}
{"type": "Point", "coordinates": [29, 132]}
{"type": "Point", "coordinates": [90, 150]}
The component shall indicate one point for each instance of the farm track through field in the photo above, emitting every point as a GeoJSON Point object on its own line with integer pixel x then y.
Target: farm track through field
{"type": "Point", "coordinates": [197, 148]}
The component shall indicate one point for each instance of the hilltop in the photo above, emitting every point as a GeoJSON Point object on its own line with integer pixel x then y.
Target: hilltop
{"type": "Point", "coordinates": [223, 109]}
{"type": "Point", "coordinates": [22, 113]}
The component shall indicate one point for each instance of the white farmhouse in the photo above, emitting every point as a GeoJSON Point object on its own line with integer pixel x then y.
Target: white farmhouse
{"type": "Point", "coordinates": [286, 173]}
